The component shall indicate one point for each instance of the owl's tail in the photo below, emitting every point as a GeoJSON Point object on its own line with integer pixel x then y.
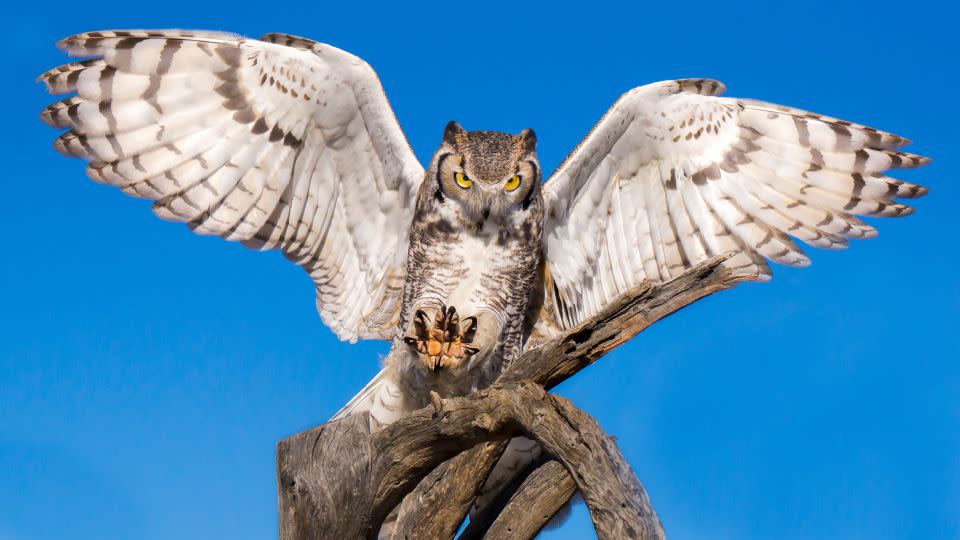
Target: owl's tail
{"type": "Point", "coordinates": [381, 397]}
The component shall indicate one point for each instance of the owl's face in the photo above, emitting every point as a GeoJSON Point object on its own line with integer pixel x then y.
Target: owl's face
{"type": "Point", "coordinates": [489, 174]}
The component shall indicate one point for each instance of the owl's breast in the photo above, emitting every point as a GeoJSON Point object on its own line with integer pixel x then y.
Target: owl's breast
{"type": "Point", "coordinates": [480, 261]}
{"type": "Point", "coordinates": [474, 269]}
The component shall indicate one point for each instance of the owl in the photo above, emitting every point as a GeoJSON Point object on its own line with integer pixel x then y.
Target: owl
{"type": "Point", "coordinates": [289, 144]}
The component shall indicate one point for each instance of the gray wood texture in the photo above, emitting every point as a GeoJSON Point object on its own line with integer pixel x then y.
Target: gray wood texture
{"type": "Point", "coordinates": [531, 506]}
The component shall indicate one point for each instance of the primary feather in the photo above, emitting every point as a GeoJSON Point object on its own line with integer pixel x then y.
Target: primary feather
{"type": "Point", "coordinates": [673, 175]}
{"type": "Point", "coordinates": [284, 143]}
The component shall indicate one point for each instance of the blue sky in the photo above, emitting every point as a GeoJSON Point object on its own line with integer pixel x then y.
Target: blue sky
{"type": "Point", "coordinates": [146, 373]}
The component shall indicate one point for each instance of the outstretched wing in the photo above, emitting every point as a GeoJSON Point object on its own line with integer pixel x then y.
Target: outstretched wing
{"type": "Point", "coordinates": [673, 175]}
{"type": "Point", "coordinates": [283, 143]}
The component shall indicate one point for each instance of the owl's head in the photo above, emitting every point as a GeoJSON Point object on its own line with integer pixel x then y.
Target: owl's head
{"type": "Point", "coordinates": [488, 173]}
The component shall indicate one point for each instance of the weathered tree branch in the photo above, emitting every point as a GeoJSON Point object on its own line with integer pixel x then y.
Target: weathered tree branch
{"type": "Point", "coordinates": [531, 506]}
{"type": "Point", "coordinates": [452, 509]}
{"type": "Point", "coordinates": [563, 357]}
{"type": "Point", "coordinates": [338, 480]}
{"type": "Point", "coordinates": [374, 472]}
{"type": "Point", "coordinates": [525, 505]}
{"type": "Point", "coordinates": [483, 518]}
{"type": "Point", "coordinates": [618, 504]}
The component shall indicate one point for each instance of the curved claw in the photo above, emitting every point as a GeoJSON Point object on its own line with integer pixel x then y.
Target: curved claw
{"type": "Point", "coordinates": [470, 331]}
{"type": "Point", "coordinates": [420, 323]}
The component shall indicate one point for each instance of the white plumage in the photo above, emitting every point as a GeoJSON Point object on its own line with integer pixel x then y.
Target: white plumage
{"type": "Point", "coordinates": [673, 175]}
{"type": "Point", "coordinates": [277, 146]}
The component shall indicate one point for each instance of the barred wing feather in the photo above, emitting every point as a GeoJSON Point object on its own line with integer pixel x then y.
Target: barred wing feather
{"type": "Point", "coordinates": [284, 143]}
{"type": "Point", "coordinates": [673, 175]}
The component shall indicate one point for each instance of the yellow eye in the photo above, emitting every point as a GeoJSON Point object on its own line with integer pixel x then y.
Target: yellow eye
{"type": "Point", "coordinates": [512, 183]}
{"type": "Point", "coordinates": [462, 180]}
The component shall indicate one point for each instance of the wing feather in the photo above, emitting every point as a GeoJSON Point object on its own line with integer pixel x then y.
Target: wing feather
{"type": "Point", "coordinates": [673, 175]}
{"type": "Point", "coordinates": [283, 143]}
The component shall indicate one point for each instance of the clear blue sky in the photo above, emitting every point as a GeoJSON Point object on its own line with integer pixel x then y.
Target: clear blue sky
{"type": "Point", "coordinates": [146, 373]}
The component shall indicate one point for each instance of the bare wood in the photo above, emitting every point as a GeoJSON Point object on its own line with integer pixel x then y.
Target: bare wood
{"type": "Point", "coordinates": [338, 481]}
{"type": "Point", "coordinates": [562, 357]}
{"type": "Point", "coordinates": [525, 505]}
{"type": "Point", "coordinates": [451, 504]}
{"type": "Point", "coordinates": [309, 504]}
{"type": "Point", "coordinates": [483, 518]}
{"type": "Point", "coordinates": [619, 506]}
{"type": "Point", "coordinates": [541, 495]}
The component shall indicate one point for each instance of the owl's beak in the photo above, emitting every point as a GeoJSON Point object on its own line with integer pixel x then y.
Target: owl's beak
{"type": "Point", "coordinates": [486, 212]}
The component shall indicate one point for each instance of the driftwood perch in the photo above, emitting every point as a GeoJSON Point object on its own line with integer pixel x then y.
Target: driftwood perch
{"type": "Point", "coordinates": [339, 481]}
{"type": "Point", "coordinates": [525, 506]}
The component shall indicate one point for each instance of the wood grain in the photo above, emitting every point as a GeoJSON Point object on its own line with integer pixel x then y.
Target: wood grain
{"type": "Point", "coordinates": [534, 503]}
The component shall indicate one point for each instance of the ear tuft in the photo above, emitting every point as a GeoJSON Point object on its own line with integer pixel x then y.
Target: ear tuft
{"type": "Point", "coordinates": [529, 139]}
{"type": "Point", "coordinates": [452, 132]}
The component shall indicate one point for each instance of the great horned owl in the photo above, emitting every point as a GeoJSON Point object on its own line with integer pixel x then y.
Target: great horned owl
{"type": "Point", "coordinates": [474, 250]}
{"type": "Point", "coordinates": [285, 143]}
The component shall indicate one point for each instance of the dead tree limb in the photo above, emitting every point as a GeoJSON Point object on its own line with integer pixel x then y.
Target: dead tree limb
{"type": "Point", "coordinates": [337, 480]}
{"type": "Point", "coordinates": [483, 518]}
{"type": "Point", "coordinates": [525, 505]}
{"type": "Point", "coordinates": [452, 509]}
{"type": "Point", "coordinates": [343, 484]}
{"type": "Point", "coordinates": [560, 359]}
{"type": "Point", "coordinates": [535, 501]}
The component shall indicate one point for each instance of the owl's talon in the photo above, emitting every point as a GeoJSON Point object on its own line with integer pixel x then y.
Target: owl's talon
{"type": "Point", "coordinates": [471, 329]}
{"type": "Point", "coordinates": [444, 343]}
{"type": "Point", "coordinates": [420, 322]}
